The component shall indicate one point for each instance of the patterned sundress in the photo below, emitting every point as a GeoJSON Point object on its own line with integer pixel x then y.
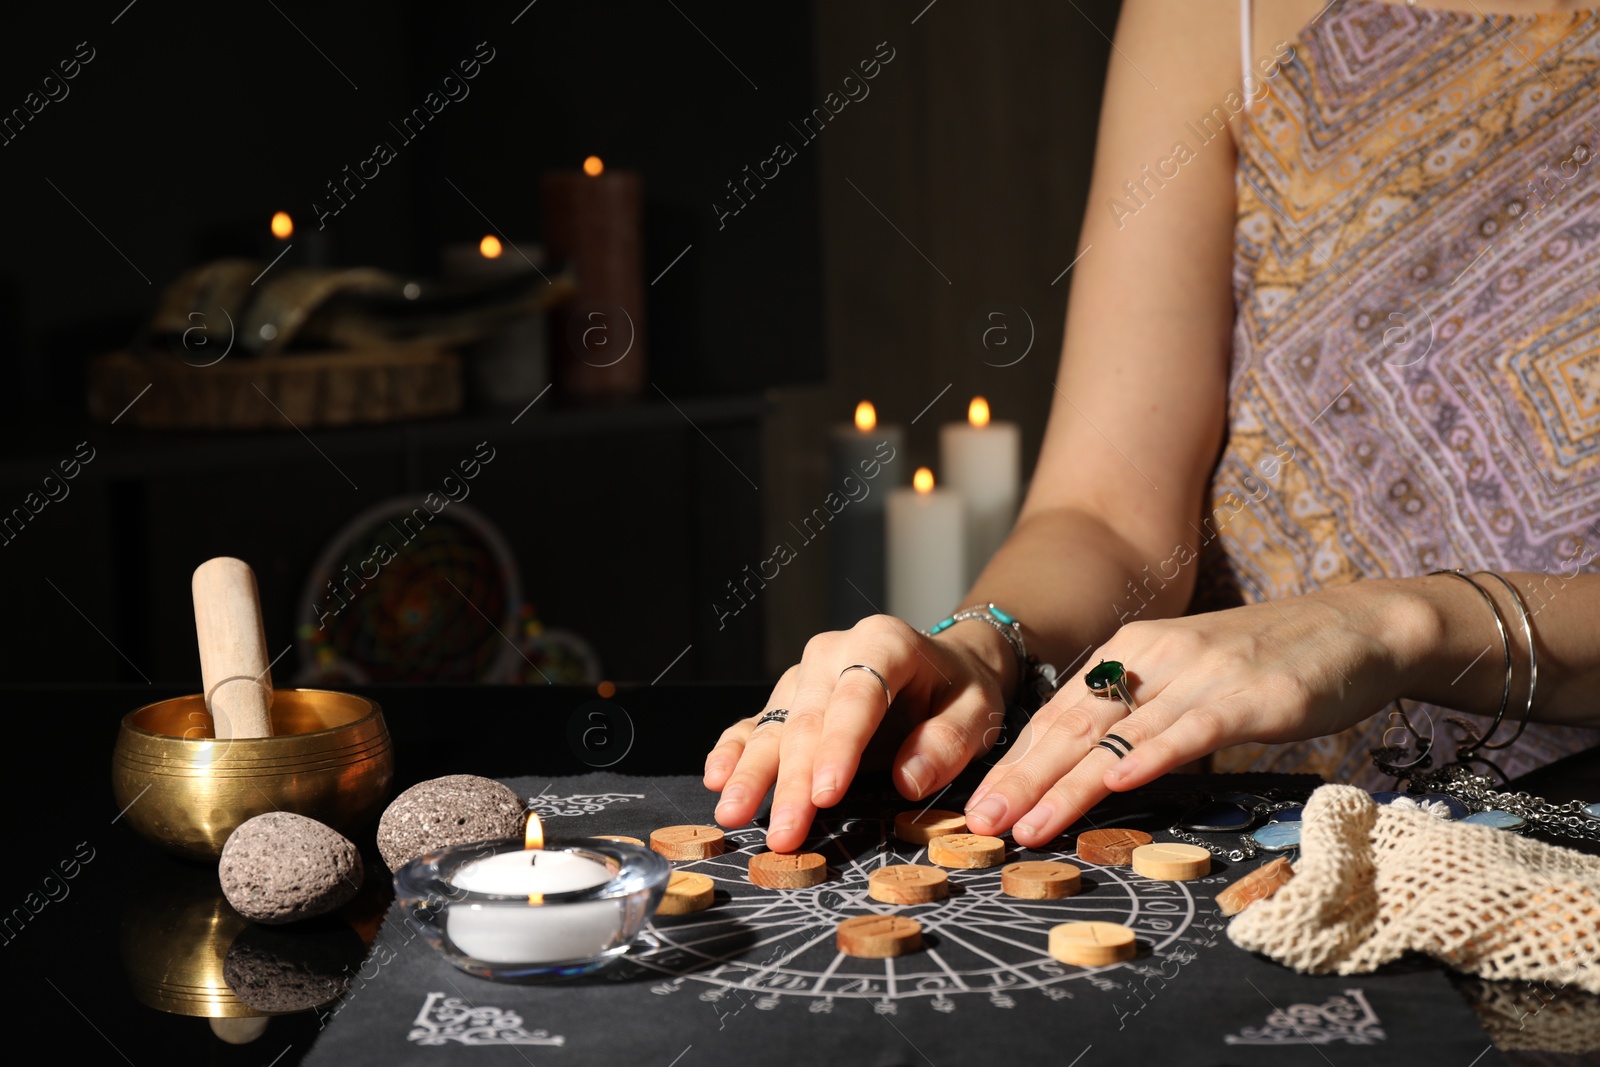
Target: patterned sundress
{"type": "Point", "coordinates": [1416, 355]}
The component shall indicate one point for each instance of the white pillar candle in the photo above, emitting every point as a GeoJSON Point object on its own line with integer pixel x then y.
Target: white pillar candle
{"type": "Point", "coordinates": [509, 932]}
{"type": "Point", "coordinates": [982, 462]}
{"type": "Point", "coordinates": [927, 549]}
{"type": "Point", "coordinates": [866, 462]}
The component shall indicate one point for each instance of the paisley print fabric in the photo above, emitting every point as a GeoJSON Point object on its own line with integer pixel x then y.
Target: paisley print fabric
{"type": "Point", "coordinates": [1416, 368]}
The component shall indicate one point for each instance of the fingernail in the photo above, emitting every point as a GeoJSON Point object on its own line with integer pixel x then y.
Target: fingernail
{"type": "Point", "coordinates": [918, 769]}
{"type": "Point", "coordinates": [731, 798]}
{"type": "Point", "coordinates": [824, 782]}
{"type": "Point", "coordinates": [715, 768]}
{"type": "Point", "coordinates": [992, 810]}
{"type": "Point", "coordinates": [782, 821]}
{"type": "Point", "coordinates": [1036, 819]}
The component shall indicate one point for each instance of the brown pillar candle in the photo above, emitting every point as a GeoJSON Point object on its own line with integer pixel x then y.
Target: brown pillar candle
{"type": "Point", "coordinates": [592, 221]}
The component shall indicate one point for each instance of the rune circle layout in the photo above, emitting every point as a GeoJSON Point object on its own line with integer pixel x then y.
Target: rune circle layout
{"type": "Point", "coordinates": [778, 944]}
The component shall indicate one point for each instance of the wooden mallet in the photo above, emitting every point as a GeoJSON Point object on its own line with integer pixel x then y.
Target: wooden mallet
{"type": "Point", "coordinates": [233, 648]}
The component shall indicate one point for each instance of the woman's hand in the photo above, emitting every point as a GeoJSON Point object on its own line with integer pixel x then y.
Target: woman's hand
{"type": "Point", "coordinates": [947, 700]}
{"type": "Point", "coordinates": [1279, 671]}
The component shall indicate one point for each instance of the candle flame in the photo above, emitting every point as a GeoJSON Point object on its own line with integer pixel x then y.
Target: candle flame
{"type": "Point", "coordinates": [490, 247]}
{"type": "Point", "coordinates": [866, 416]}
{"type": "Point", "coordinates": [978, 412]}
{"type": "Point", "coordinates": [282, 226]}
{"type": "Point", "coordinates": [532, 838]}
{"type": "Point", "coordinates": [922, 481]}
{"type": "Point", "coordinates": [593, 167]}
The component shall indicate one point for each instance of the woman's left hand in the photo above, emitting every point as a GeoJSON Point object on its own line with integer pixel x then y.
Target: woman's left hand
{"type": "Point", "coordinates": [1273, 672]}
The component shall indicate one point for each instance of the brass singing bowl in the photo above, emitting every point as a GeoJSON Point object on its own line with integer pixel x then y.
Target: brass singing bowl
{"type": "Point", "coordinates": [329, 758]}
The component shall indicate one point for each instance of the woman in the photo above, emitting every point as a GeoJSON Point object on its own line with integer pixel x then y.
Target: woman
{"type": "Point", "coordinates": [1363, 274]}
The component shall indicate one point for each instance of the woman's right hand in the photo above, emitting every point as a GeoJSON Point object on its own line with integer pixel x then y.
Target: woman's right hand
{"type": "Point", "coordinates": [947, 701]}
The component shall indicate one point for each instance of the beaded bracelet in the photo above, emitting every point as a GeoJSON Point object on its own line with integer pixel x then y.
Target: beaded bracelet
{"type": "Point", "coordinates": [1033, 677]}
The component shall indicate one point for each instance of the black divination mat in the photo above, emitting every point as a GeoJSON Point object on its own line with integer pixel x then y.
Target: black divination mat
{"type": "Point", "coordinates": [757, 977]}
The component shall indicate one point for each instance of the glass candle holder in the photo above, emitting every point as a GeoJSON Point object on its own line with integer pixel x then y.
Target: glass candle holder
{"type": "Point", "coordinates": [515, 935]}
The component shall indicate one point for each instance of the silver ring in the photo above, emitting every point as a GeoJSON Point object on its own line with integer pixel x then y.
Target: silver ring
{"type": "Point", "coordinates": [778, 715]}
{"type": "Point", "coordinates": [1109, 681]}
{"type": "Point", "coordinates": [888, 698]}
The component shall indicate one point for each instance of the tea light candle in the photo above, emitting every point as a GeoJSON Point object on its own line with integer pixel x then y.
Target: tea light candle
{"type": "Point", "coordinates": [531, 872]}
{"type": "Point", "coordinates": [539, 932]}
{"type": "Point", "coordinates": [927, 546]}
{"type": "Point", "coordinates": [982, 461]}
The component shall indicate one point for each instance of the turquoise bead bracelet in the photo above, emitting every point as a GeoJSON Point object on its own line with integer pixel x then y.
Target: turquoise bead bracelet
{"type": "Point", "coordinates": [1034, 679]}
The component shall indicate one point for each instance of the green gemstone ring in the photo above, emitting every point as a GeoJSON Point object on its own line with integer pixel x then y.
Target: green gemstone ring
{"type": "Point", "coordinates": [1109, 681]}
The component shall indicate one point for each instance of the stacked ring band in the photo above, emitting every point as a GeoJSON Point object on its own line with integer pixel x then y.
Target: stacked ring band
{"type": "Point", "coordinates": [888, 697]}
{"type": "Point", "coordinates": [1110, 742]}
{"type": "Point", "coordinates": [775, 715]}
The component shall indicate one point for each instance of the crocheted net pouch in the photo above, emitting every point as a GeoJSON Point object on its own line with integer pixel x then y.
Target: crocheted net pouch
{"type": "Point", "coordinates": [1374, 882]}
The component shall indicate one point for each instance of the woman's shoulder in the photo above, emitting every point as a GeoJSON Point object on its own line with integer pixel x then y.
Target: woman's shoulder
{"type": "Point", "coordinates": [1201, 44]}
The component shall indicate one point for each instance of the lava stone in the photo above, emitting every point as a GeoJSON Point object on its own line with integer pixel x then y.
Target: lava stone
{"type": "Point", "coordinates": [280, 867]}
{"type": "Point", "coordinates": [454, 810]}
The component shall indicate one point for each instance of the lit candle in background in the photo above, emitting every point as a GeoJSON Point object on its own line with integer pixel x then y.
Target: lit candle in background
{"type": "Point", "coordinates": [866, 461]}
{"type": "Point", "coordinates": [540, 932]}
{"type": "Point", "coordinates": [927, 545]}
{"type": "Point", "coordinates": [982, 462]}
{"type": "Point", "coordinates": [512, 366]}
{"type": "Point", "coordinates": [593, 221]}
{"type": "Point", "coordinates": [309, 249]}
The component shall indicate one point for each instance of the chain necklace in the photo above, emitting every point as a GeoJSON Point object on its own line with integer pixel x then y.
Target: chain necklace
{"type": "Point", "coordinates": [1246, 849]}
{"type": "Point", "coordinates": [1571, 819]}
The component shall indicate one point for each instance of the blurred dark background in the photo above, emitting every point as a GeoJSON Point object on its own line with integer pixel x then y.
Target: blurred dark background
{"type": "Point", "coordinates": [957, 182]}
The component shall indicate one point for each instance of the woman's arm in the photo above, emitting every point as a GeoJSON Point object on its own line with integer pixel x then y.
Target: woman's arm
{"type": "Point", "coordinates": [1140, 396]}
{"type": "Point", "coordinates": [1136, 426]}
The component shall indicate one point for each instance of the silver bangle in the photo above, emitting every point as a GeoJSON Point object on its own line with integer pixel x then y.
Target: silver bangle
{"type": "Point", "coordinates": [1475, 743]}
{"type": "Point", "coordinates": [1533, 656]}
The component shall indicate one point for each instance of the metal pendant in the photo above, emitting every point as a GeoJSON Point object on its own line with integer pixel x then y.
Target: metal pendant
{"type": "Point", "coordinates": [1218, 816]}
{"type": "Point", "coordinates": [1278, 836]}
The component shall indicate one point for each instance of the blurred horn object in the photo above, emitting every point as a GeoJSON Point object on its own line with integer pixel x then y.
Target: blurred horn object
{"type": "Point", "coordinates": [305, 348]}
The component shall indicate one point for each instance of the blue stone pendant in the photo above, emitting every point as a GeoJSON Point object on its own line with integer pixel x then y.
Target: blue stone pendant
{"type": "Point", "coordinates": [1218, 816]}
{"type": "Point", "coordinates": [1294, 814]}
{"type": "Point", "coordinates": [1278, 836]}
{"type": "Point", "coordinates": [1500, 820]}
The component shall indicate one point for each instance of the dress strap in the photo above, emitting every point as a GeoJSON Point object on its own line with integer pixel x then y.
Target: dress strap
{"type": "Point", "coordinates": [1244, 44]}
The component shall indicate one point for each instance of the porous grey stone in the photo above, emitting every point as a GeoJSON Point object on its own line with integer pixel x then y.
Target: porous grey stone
{"type": "Point", "coordinates": [453, 810]}
{"type": "Point", "coordinates": [280, 867]}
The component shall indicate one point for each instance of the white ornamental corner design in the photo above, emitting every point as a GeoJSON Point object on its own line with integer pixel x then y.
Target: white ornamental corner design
{"type": "Point", "coordinates": [548, 805]}
{"type": "Point", "coordinates": [1347, 1018]}
{"type": "Point", "coordinates": [444, 1019]}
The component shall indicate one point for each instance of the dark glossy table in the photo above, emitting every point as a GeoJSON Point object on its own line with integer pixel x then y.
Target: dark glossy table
{"type": "Point", "coordinates": [82, 960]}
